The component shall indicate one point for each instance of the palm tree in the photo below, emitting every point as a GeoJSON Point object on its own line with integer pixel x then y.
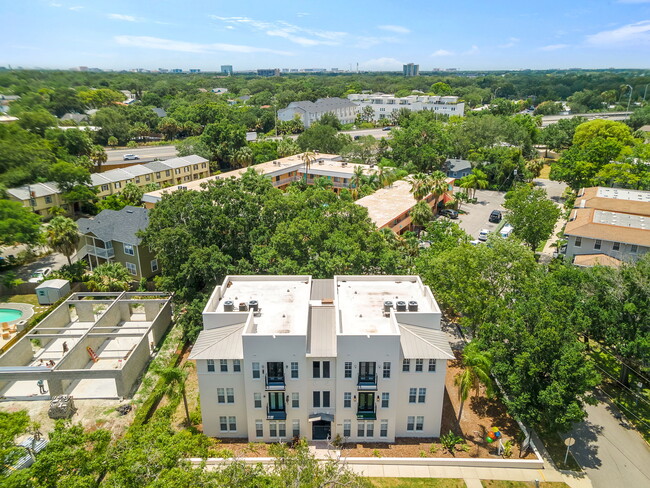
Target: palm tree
{"type": "Point", "coordinates": [99, 156]}
{"type": "Point", "coordinates": [323, 183]}
{"type": "Point", "coordinates": [243, 157]}
{"type": "Point", "coordinates": [307, 157]}
{"type": "Point", "coordinates": [110, 277]}
{"type": "Point", "coordinates": [476, 372]}
{"type": "Point", "coordinates": [356, 180]}
{"type": "Point", "coordinates": [476, 179]}
{"type": "Point", "coordinates": [437, 186]}
{"type": "Point", "coordinates": [420, 214]}
{"type": "Point", "coordinates": [63, 236]}
{"type": "Point", "coordinates": [174, 378]}
{"type": "Point", "coordinates": [419, 185]}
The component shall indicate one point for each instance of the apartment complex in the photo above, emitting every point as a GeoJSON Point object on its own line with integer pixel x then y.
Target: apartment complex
{"type": "Point", "coordinates": [608, 226]}
{"type": "Point", "coordinates": [112, 236]}
{"type": "Point", "coordinates": [362, 357]}
{"type": "Point", "coordinates": [384, 105]}
{"type": "Point", "coordinates": [310, 112]}
{"type": "Point", "coordinates": [411, 69]}
{"type": "Point", "coordinates": [390, 207]}
{"type": "Point", "coordinates": [282, 172]}
{"type": "Point", "coordinates": [41, 197]}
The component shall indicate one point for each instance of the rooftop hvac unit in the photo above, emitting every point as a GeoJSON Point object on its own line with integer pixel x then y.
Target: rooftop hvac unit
{"type": "Point", "coordinates": [413, 306]}
{"type": "Point", "coordinates": [253, 305]}
{"type": "Point", "coordinates": [401, 306]}
{"type": "Point", "coordinates": [243, 307]}
{"type": "Point", "coordinates": [387, 306]}
{"type": "Point", "coordinates": [321, 161]}
{"type": "Point", "coordinates": [344, 163]}
{"type": "Point", "coordinates": [228, 306]}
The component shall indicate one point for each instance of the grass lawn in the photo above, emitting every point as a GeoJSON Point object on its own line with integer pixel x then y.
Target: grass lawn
{"type": "Point", "coordinates": [417, 482]}
{"type": "Point", "coordinates": [522, 484]}
{"type": "Point", "coordinates": [29, 299]}
{"type": "Point", "coordinates": [557, 450]}
{"type": "Point", "coordinates": [546, 171]}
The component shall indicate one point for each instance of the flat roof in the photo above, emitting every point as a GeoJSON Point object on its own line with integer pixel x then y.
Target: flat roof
{"type": "Point", "coordinates": [361, 302]}
{"type": "Point", "coordinates": [284, 302]}
{"type": "Point", "coordinates": [623, 194]}
{"type": "Point", "coordinates": [621, 219]}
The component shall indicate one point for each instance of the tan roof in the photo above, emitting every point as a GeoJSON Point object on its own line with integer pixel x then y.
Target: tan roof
{"type": "Point", "coordinates": [581, 223]}
{"type": "Point", "coordinates": [615, 200]}
{"type": "Point", "coordinates": [594, 259]}
{"type": "Point", "coordinates": [645, 128]}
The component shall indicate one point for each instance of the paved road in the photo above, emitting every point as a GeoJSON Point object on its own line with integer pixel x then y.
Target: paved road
{"type": "Point", "coordinates": [53, 260]}
{"type": "Point", "coordinates": [376, 133]}
{"type": "Point", "coordinates": [554, 189]}
{"type": "Point", "coordinates": [619, 116]}
{"type": "Point", "coordinates": [145, 153]}
{"type": "Point", "coordinates": [477, 214]}
{"type": "Point", "coordinates": [611, 453]}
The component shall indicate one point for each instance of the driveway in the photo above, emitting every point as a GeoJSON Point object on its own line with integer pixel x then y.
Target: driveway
{"type": "Point", "coordinates": [611, 453]}
{"type": "Point", "coordinates": [53, 260]}
{"type": "Point", "coordinates": [478, 213]}
{"type": "Point", "coordinates": [554, 189]}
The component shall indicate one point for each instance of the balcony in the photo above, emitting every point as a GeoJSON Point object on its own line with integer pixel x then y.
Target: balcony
{"type": "Point", "coordinates": [274, 383]}
{"type": "Point", "coordinates": [97, 251]}
{"type": "Point", "coordinates": [276, 414]}
{"type": "Point", "coordinates": [366, 414]}
{"type": "Point", "coordinates": [367, 382]}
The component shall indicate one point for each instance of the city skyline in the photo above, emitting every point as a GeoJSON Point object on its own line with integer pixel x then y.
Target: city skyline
{"type": "Point", "coordinates": [199, 34]}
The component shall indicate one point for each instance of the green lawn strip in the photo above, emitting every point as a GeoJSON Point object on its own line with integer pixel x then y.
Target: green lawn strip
{"type": "Point", "coordinates": [417, 482]}
{"type": "Point", "coordinates": [29, 299]}
{"type": "Point", "coordinates": [556, 449]}
{"type": "Point", "coordinates": [522, 484]}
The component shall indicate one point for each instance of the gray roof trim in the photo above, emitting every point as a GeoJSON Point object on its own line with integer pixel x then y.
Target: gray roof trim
{"type": "Point", "coordinates": [422, 342]}
{"type": "Point", "coordinates": [220, 343]}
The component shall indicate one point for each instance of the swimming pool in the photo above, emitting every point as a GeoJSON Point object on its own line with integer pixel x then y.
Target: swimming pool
{"type": "Point", "coordinates": [9, 315]}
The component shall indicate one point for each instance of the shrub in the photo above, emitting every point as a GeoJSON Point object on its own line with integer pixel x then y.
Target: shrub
{"type": "Point", "coordinates": [376, 453]}
{"type": "Point", "coordinates": [433, 449]}
{"type": "Point", "coordinates": [450, 440]}
{"type": "Point", "coordinates": [132, 144]}
{"type": "Point", "coordinates": [507, 449]}
{"type": "Point", "coordinates": [422, 453]}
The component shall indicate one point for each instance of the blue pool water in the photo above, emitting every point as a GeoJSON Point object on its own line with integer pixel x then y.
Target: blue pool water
{"type": "Point", "coordinates": [8, 315]}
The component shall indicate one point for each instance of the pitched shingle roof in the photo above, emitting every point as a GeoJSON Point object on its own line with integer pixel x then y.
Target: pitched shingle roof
{"type": "Point", "coordinates": [117, 225]}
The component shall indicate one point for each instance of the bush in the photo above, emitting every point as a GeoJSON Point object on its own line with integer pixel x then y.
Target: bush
{"type": "Point", "coordinates": [132, 144]}
{"type": "Point", "coordinates": [450, 440]}
{"type": "Point", "coordinates": [376, 453]}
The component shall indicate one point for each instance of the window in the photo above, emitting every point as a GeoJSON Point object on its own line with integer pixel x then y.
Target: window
{"type": "Point", "coordinates": [419, 365]}
{"type": "Point", "coordinates": [316, 369]}
{"type": "Point", "coordinates": [257, 400]}
{"type": "Point", "coordinates": [177, 171]}
{"type": "Point", "coordinates": [370, 429]}
{"type": "Point", "coordinates": [232, 424]}
{"type": "Point", "coordinates": [361, 428]}
{"type": "Point", "coordinates": [385, 397]}
{"type": "Point", "coordinates": [295, 400]}
{"type": "Point", "coordinates": [326, 399]}
{"type": "Point", "coordinates": [616, 246]}
{"type": "Point", "coordinates": [383, 428]}
{"type": "Point", "coordinates": [168, 172]}
{"type": "Point", "coordinates": [223, 424]}
{"type": "Point", "coordinates": [128, 249]}
{"type": "Point", "coordinates": [273, 429]}
{"type": "Point", "coordinates": [598, 244]}
{"type": "Point", "coordinates": [137, 180]}
{"type": "Point", "coordinates": [386, 369]}
{"type": "Point", "coordinates": [296, 428]}
{"type": "Point", "coordinates": [347, 399]}
{"type": "Point", "coordinates": [326, 369]}
{"type": "Point", "coordinates": [196, 167]}
{"type": "Point", "coordinates": [132, 268]}
{"type": "Point", "coordinates": [259, 428]}
{"type": "Point", "coordinates": [406, 365]}
{"type": "Point", "coordinates": [634, 248]}
{"type": "Point", "coordinates": [230, 395]}
{"type": "Point", "coordinates": [578, 242]}
{"type": "Point", "coordinates": [210, 365]}
{"type": "Point", "coordinates": [422, 395]}
{"type": "Point", "coordinates": [158, 174]}
{"type": "Point", "coordinates": [346, 428]}
{"type": "Point", "coordinates": [413, 392]}
{"type": "Point", "coordinates": [154, 265]}
{"type": "Point", "coordinates": [236, 365]}
{"type": "Point", "coordinates": [410, 423]}
{"type": "Point", "coordinates": [117, 185]}
{"type": "Point", "coordinates": [48, 199]}
{"type": "Point", "coordinates": [294, 370]}
{"type": "Point", "coordinates": [432, 365]}
{"type": "Point", "coordinates": [419, 423]}
{"type": "Point", "coordinates": [104, 187]}
{"type": "Point", "coordinates": [221, 395]}
{"type": "Point", "coordinates": [223, 365]}
{"type": "Point", "coordinates": [256, 371]}
{"type": "Point", "coordinates": [348, 369]}
{"type": "Point", "coordinates": [316, 399]}
{"type": "Point", "coordinates": [282, 429]}
{"type": "Point", "coordinates": [228, 424]}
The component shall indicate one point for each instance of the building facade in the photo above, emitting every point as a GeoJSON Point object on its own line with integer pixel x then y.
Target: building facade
{"type": "Point", "coordinates": [310, 112]}
{"type": "Point", "coordinates": [360, 357]}
{"type": "Point", "coordinates": [385, 105]}
{"type": "Point", "coordinates": [411, 69]}
{"type": "Point", "coordinates": [268, 72]}
{"type": "Point", "coordinates": [226, 69]}
{"type": "Point", "coordinates": [608, 225]}
{"type": "Point", "coordinates": [41, 197]}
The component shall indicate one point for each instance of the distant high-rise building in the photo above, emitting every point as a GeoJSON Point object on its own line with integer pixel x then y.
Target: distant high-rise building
{"type": "Point", "coordinates": [226, 69]}
{"type": "Point", "coordinates": [177, 70]}
{"type": "Point", "coordinates": [195, 70]}
{"type": "Point", "coordinates": [411, 69]}
{"type": "Point", "coordinates": [268, 72]}
{"type": "Point", "coordinates": [163, 70]}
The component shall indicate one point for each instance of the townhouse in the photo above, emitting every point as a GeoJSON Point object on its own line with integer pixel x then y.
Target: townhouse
{"type": "Point", "coordinates": [362, 358]}
{"type": "Point", "coordinates": [384, 105]}
{"type": "Point", "coordinates": [41, 197]}
{"type": "Point", "coordinates": [309, 112]}
{"type": "Point", "coordinates": [608, 226]}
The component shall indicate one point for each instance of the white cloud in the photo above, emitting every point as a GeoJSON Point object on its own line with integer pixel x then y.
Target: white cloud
{"type": "Point", "coordinates": [398, 29]}
{"type": "Point", "coordinates": [54, 4]}
{"type": "Point", "coordinates": [511, 43]}
{"type": "Point", "coordinates": [474, 50]}
{"type": "Point", "coordinates": [636, 33]}
{"type": "Point", "coordinates": [75, 9]}
{"type": "Point", "coordinates": [302, 14]}
{"type": "Point", "coordinates": [147, 42]}
{"type": "Point", "coordinates": [303, 41]}
{"type": "Point", "coordinates": [382, 64]}
{"type": "Point", "coordinates": [442, 52]}
{"type": "Point", "coordinates": [365, 42]}
{"type": "Point", "coordinates": [230, 27]}
{"type": "Point", "coordinates": [128, 18]}
{"type": "Point", "coordinates": [553, 47]}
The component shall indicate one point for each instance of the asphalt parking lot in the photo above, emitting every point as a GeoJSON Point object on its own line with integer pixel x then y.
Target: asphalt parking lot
{"type": "Point", "coordinates": [478, 213]}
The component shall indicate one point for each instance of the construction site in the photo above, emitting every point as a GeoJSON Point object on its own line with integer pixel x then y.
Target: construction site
{"type": "Point", "coordinates": [93, 345]}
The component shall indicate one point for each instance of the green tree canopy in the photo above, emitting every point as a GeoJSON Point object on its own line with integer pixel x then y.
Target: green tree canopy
{"type": "Point", "coordinates": [531, 213]}
{"type": "Point", "coordinates": [18, 224]}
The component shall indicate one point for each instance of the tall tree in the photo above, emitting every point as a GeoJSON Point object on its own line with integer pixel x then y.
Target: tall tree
{"type": "Point", "coordinates": [476, 367]}
{"type": "Point", "coordinates": [63, 236]}
{"type": "Point", "coordinates": [109, 277]}
{"type": "Point", "coordinates": [531, 213]}
{"type": "Point", "coordinates": [99, 157]}
{"type": "Point", "coordinates": [175, 378]}
{"type": "Point", "coordinates": [18, 224]}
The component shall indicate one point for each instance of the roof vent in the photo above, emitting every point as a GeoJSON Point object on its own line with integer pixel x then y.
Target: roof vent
{"type": "Point", "coordinates": [253, 305]}
{"type": "Point", "coordinates": [387, 306]}
{"type": "Point", "coordinates": [401, 306]}
{"type": "Point", "coordinates": [413, 306]}
{"type": "Point", "coordinates": [228, 306]}
{"type": "Point", "coordinates": [243, 307]}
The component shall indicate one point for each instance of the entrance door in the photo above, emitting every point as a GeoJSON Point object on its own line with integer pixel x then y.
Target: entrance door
{"type": "Point", "coordinates": [320, 430]}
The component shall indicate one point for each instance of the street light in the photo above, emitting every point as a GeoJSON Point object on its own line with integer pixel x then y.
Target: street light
{"type": "Point", "coordinates": [629, 98]}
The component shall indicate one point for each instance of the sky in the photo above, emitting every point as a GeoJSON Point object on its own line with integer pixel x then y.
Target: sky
{"type": "Point", "coordinates": [378, 35]}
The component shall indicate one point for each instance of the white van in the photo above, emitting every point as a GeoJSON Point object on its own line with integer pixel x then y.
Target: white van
{"type": "Point", "coordinates": [506, 230]}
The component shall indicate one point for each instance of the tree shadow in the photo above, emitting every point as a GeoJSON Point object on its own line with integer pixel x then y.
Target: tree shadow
{"type": "Point", "coordinates": [585, 449]}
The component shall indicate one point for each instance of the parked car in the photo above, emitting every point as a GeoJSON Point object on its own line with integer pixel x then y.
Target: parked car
{"type": "Point", "coordinates": [356, 138]}
{"type": "Point", "coordinates": [448, 212]}
{"type": "Point", "coordinates": [386, 128]}
{"type": "Point", "coordinates": [483, 235]}
{"type": "Point", "coordinates": [506, 230]}
{"type": "Point", "coordinates": [129, 157]}
{"type": "Point", "coordinates": [39, 275]}
{"type": "Point", "coordinates": [495, 216]}
{"type": "Point", "coordinates": [475, 242]}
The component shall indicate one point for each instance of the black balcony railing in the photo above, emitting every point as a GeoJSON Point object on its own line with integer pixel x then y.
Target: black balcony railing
{"type": "Point", "coordinates": [274, 382]}
{"type": "Point", "coordinates": [276, 414]}
{"type": "Point", "coordinates": [366, 414]}
{"type": "Point", "coordinates": [367, 382]}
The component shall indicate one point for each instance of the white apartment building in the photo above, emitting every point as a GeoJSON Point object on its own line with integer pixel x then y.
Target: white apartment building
{"type": "Point", "coordinates": [384, 105]}
{"type": "Point", "coordinates": [310, 112]}
{"type": "Point", "coordinates": [362, 357]}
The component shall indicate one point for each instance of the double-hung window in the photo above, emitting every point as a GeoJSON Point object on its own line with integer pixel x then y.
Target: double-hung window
{"type": "Point", "coordinates": [347, 426]}
{"type": "Point", "coordinates": [383, 428]}
{"type": "Point", "coordinates": [386, 371]}
{"type": "Point", "coordinates": [296, 427]}
{"type": "Point", "coordinates": [326, 369]}
{"type": "Point", "coordinates": [128, 249]}
{"type": "Point", "coordinates": [294, 370]}
{"type": "Point", "coordinates": [259, 428]}
{"type": "Point", "coordinates": [419, 365]}
{"type": "Point", "coordinates": [432, 365]}
{"type": "Point", "coordinates": [385, 399]}
{"type": "Point", "coordinates": [316, 399]}
{"type": "Point", "coordinates": [410, 423]}
{"type": "Point", "coordinates": [236, 365]}
{"type": "Point", "coordinates": [257, 400]}
{"type": "Point", "coordinates": [295, 400]}
{"type": "Point", "coordinates": [598, 244]}
{"type": "Point", "coordinates": [422, 395]}
{"type": "Point", "coordinates": [347, 399]}
{"type": "Point", "coordinates": [419, 423]}
{"type": "Point", "coordinates": [413, 393]}
{"type": "Point", "coordinates": [326, 399]}
{"type": "Point", "coordinates": [223, 365]}
{"type": "Point", "coordinates": [256, 371]}
{"type": "Point", "coordinates": [210, 365]}
{"type": "Point", "coordinates": [221, 395]}
{"type": "Point", "coordinates": [348, 369]}
{"type": "Point", "coordinates": [315, 368]}
{"type": "Point", "coordinates": [406, 365]}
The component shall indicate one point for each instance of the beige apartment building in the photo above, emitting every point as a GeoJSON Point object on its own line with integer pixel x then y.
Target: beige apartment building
{"type": "Point", "coordinates": [41, 197]}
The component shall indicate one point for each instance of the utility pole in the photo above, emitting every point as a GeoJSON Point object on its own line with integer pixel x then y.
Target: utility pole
{"type": "Point", "coordinates": [645, 92]}
{"type": "Point", "coordinates": [629, 98]}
